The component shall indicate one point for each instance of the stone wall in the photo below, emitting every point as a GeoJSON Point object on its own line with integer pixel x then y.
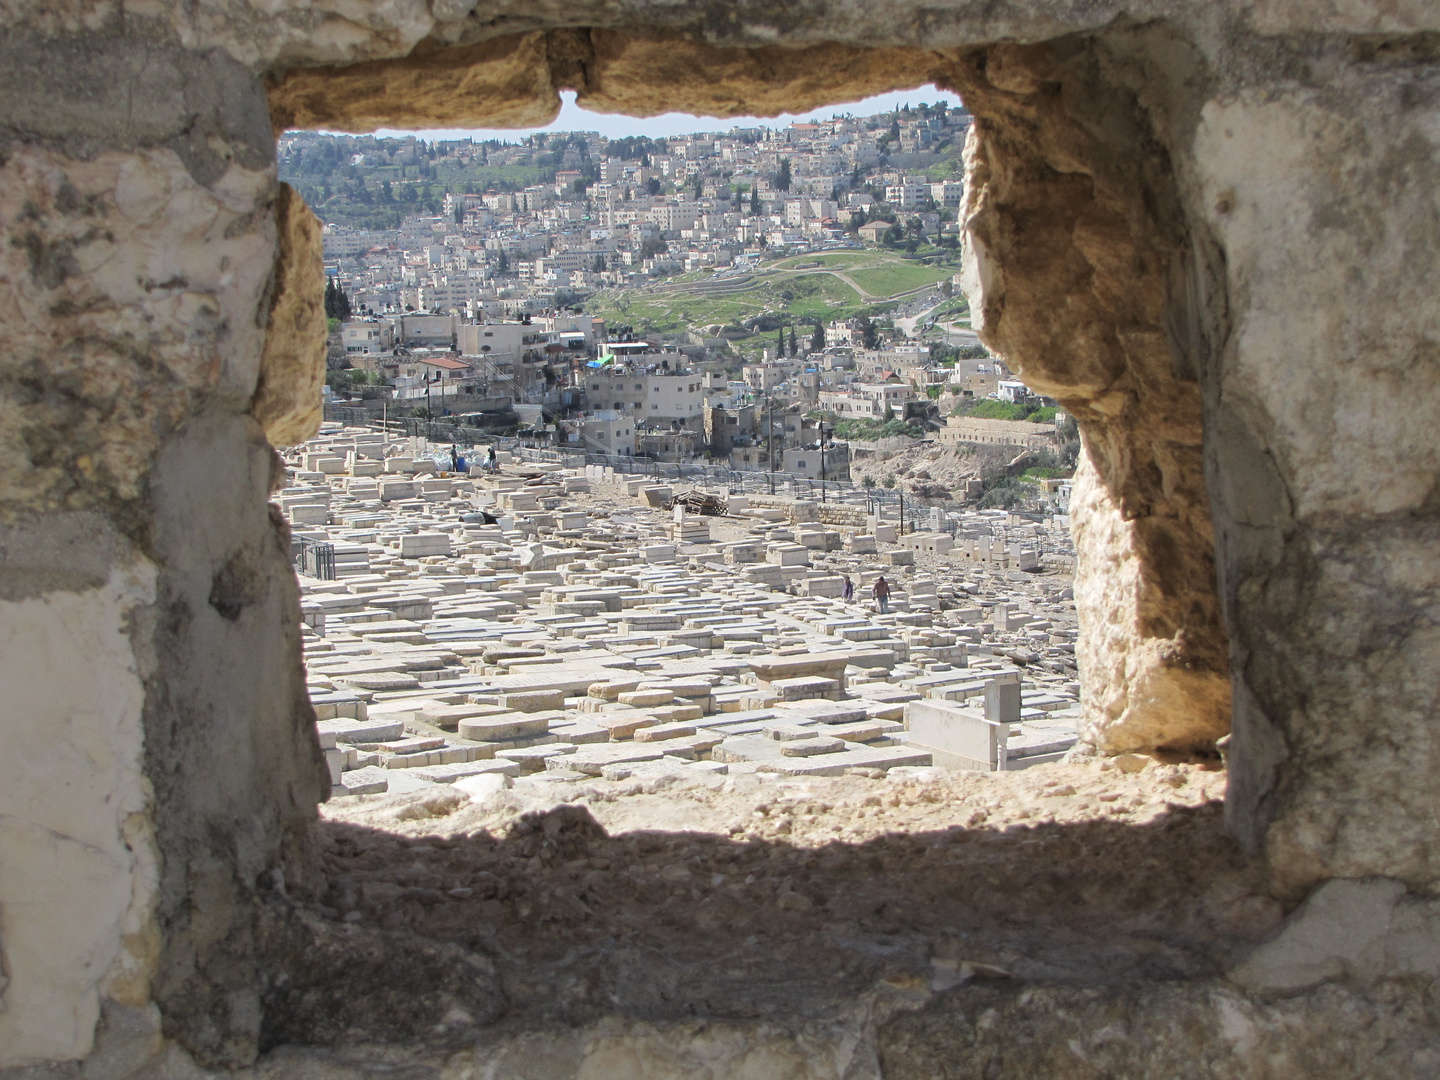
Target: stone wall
{"type": "Point", "coordinates": [1209, 230]}
{"type": "Point", "coordinates": [959, 429]}
{"type": "Point", "coordinates": [161, 763]}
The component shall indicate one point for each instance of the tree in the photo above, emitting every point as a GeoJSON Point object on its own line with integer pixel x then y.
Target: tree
{"type": "Point", "coordinates": [502, 265]}
{"type": "Point", "coordinates": [869, 336]}
{"type": "Point", "coordinates": [780, 343]}
{"type": "Point", "coordinates": [782, 178]}
{"type": "Point", "coordinates": [794, 351]}
{"type": "Point", "coordinates": [460, 212]}
{"type": "Point", "coordinates": [599, 264]}
{"type": "Point", "coordinates": [699, 185]}
{"type": "Point", "coordinates": [337, 304]}
{"type": "Point", "coordinates": [754, 202]}
{"type": "Point", "coordinates": [817, 339]}
{"type": "Point", "coordinates": [653, 185]}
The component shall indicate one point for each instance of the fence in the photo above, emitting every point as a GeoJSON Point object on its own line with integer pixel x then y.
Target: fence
{"type": "Point", "coordinates": [314, 558]}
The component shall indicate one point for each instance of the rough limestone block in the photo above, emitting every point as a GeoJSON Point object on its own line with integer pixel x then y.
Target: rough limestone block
{"type": "Point", "coordinates": [287, 399]}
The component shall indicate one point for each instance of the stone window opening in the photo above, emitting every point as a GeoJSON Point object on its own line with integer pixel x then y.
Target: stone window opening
{"type": "Point", "coordinates": [569, 835]}
{"type": "Point", "coordinates": [1124, 234]}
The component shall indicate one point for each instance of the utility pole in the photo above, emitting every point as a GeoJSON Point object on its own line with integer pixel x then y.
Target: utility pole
{"type": "Point", "coordinates": [770, 435]}
{"type": "Point", "coordinates": [822, 461]}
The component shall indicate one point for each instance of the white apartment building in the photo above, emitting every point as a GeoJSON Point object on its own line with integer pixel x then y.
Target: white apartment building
{"type": "Point", "coordinates": [369, 338]}
{"type": "Point", "coordinates": [672, 217]}
{"type": "Point", "coordinates": [500, 339]}
{"type": "Point", "coordinates": [948, 193]}
{"type": "Point", "coordinates": [420, 330]}
{"type": "Point", "coordinates": [341, 241]}
{"type": "Point", "coordinates": [448, 296]}
{"type": "Point", "coordinates": [663, 395]}
{"type": "Point", "coordinates": [909, 194]}
{"type": "Point", "coordinates": [866, 401]}
{"type": "Point", "coordinates": [604, 432]}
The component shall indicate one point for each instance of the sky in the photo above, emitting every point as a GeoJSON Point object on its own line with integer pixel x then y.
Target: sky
{"type": "Point", "coordinates": [574, 118]}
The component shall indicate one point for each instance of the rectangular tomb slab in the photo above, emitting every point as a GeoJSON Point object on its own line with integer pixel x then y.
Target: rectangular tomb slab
{"type": "Point", "coordinates": [367, 781]}
{"type": "Point", "coordinates": [805, 686]}
{"type": "Point", "coordinates": [958, 738]}
{"type": "Point", "coordinates": [533, 701]}
{"type": "Point", "coordinates": [448, 774]}
{"type": "Point", "coordinates": [769, 668]}
{"type": "Point", "coordinates": [822, 744]}
{"type": "Point", "coordinates": [625, 725]}
{"type": "Point", "coordinates": [592, 760]}
{"type": "Point", "coordinates": [505, 727]}
{"type": "Point", "coordinates": [663, 732]}
{"type": "Point", "coordinates": [361, 731]}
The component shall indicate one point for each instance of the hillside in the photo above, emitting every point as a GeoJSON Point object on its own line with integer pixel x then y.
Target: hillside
{"type": "Point", "coordinates": [794, 291]}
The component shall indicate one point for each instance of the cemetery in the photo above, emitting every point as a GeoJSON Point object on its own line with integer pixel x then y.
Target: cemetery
{"type": "Point", "coordinates": [543, 624]}
{"type": "Point", "coordinates": [356, 821]}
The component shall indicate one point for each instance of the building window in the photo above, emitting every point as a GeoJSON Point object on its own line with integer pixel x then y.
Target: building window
{"type": "Point", "coordinates": [800, 464]}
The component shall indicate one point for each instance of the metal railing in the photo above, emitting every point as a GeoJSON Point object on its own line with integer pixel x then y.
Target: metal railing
{"type": "Point", "coordinates": [881, 503]}
{"type": "Point", "coordinates": [315, 558]}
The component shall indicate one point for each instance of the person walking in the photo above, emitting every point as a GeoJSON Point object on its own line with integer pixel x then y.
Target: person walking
{"type": "Point", "coordinates": [881, 592]}
{"type": "Point", "coordinates": [490, 459]}
{"type": "Point", "coordinates": [848, 592]}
